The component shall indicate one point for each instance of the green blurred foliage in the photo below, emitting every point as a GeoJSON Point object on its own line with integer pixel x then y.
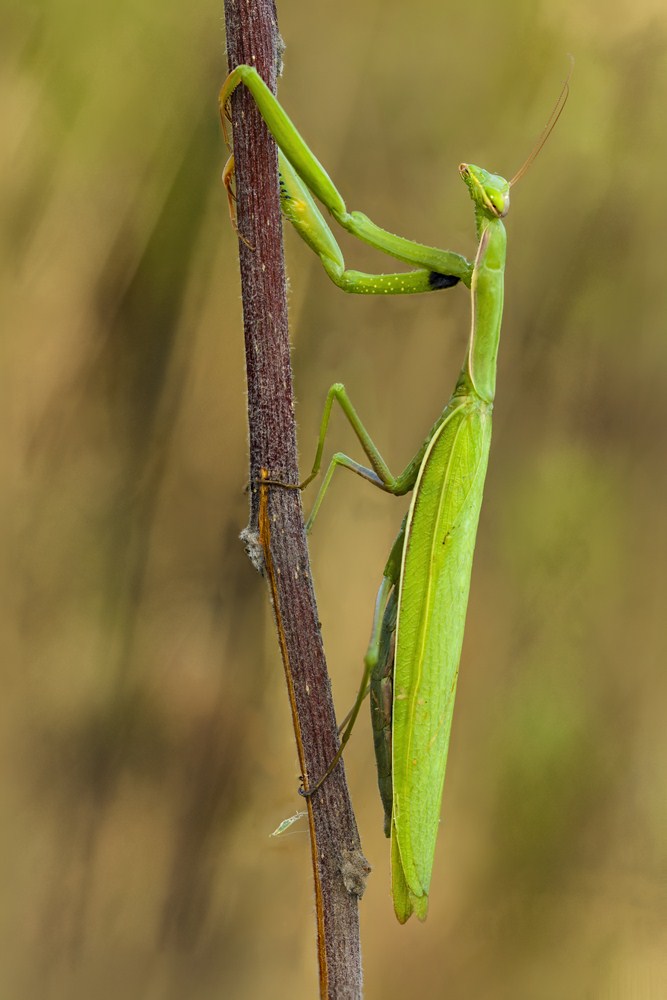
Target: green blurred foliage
{"type": "Point", "coordinates": [147, 751]}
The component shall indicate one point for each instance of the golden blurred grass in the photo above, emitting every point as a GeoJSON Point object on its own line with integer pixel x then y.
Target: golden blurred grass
{"type": "Point", "coordinates": [146, 745]}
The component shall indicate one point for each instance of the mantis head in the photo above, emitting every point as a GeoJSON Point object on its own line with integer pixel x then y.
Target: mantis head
{"type": "Point", "coordinates": [490, 192]}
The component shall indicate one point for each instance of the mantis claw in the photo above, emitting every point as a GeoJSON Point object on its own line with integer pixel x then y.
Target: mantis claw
{"type": "Point", "coordinates": [228, 180]}
{"type": "Point", "coordinates": [278, 482]}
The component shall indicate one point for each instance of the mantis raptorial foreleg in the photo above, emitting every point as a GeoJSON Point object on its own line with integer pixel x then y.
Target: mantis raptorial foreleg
{"type": "Point", "coordinates": [300, 209]}
{"type": "Point", "coordinates": [302, 175]}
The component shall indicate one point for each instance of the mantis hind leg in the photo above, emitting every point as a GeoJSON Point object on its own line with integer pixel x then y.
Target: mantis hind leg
{"type": "Point", "coordinates": [378, 666]}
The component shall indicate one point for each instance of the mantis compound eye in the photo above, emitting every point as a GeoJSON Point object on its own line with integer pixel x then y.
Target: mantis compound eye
{"type": "Point", "coordinates": [500, 202]}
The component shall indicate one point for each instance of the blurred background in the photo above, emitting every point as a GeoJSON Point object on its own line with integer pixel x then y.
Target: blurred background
{"type": "Point", "coordinates": [147, 751]}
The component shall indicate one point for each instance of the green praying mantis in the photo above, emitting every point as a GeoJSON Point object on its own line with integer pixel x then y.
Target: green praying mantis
{"type": "Point", "coordinates": [412, 661]}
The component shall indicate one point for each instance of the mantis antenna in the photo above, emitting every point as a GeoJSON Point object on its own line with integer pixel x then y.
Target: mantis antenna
{"type": "Point", "coordinates": [548, 128]}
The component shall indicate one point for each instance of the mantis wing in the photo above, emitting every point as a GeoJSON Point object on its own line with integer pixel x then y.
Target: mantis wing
{"type": "Point", "coordinates": [433, 597]}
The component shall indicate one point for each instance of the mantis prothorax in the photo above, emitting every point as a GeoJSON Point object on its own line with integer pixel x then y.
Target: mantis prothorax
{"type": "Point", "coordinates": [413, 658]}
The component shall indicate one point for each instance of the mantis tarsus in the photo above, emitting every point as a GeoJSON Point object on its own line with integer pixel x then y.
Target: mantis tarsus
{"type": "Point", "coordinates": [421, 605]}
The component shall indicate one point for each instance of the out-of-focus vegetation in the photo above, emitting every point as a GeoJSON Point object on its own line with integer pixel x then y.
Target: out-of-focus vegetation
{"type": "Point", "coordinates": [146, 746]}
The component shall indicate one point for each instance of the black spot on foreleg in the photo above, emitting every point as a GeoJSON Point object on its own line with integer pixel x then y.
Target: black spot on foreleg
{"type": "Point", "coordinates": [438, 281]}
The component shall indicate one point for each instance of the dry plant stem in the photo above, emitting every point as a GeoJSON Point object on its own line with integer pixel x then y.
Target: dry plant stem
{"type": "Point", "coordinates": [275, 535]}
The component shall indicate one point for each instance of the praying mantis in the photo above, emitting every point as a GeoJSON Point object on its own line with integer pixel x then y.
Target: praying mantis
{"type": "Point", "coordinates": [412, 661]}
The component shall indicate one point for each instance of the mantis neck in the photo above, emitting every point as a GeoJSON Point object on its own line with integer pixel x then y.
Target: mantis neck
{"type": "Point", "coordinates": [487, 307]}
